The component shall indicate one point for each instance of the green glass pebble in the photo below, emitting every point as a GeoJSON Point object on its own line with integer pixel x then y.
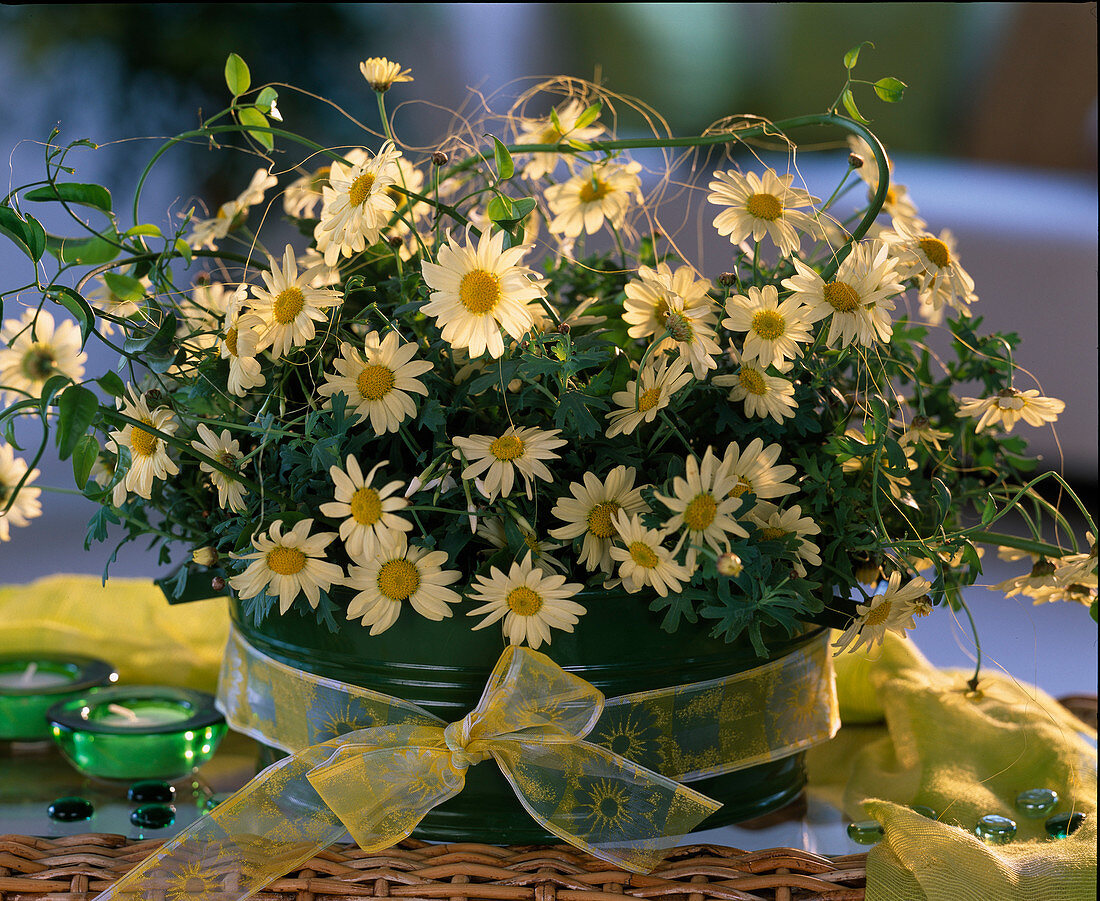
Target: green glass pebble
{"type": "Point", "coordinates": [150, 791]}
{"type": "Point", "coordinates": [995, 830]}
{"type": "Point", "coordinates": [1036, 802]}
{"type": "Point", "coordinates": [923, 811]}
{"type": "Point", "coordinates": [865, 832]}
{"type": "Point", "coordinates": [70, 810]}
{"type": "Point", "coordinates": [1062, 824]}
{"type": "Point", "coordinates": [154, 816]}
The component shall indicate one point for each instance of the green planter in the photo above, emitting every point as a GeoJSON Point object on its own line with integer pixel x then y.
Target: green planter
{"type": "Point", "coordinates": [618, 646]}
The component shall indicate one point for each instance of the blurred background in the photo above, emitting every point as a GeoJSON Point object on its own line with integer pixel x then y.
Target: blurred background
{"type": "Point", "coordinates": [996, 137]}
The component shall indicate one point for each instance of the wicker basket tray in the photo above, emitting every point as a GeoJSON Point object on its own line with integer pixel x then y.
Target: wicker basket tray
{"type": "Point", "coordinates": [78, 867]}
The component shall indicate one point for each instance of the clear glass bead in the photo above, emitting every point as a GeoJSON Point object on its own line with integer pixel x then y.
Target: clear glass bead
{"type": "Point", "coordinates": [865, 832]}
{"type": "Point", "coordinates": [995, 830]}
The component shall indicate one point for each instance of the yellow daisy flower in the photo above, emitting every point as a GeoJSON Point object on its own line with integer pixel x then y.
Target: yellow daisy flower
{"type": "Point", "coordinates": [644, 560]}
{"type": "Point", "coordinates": [647, 297]}
{"type": "Point", "coordinates": [920, 431]}
{"type": "Point", "coordinates": [775, 523]}
{"type": "Point", "coordinates": [38, 349]}
{"type": "Point", "coordinates": [148, 454]}
{"type": "Point", "coordinates": [377, 383]}
{"type": "Point", "coordinates": [642, 405]}
{"type": "Point", "coordinates": [761, 207]}
{"type": "Point", "coordinates": [754, 470]}
{"type": "Point", "coordinates": [934, 262]}
{"type": "Point", "coordinates": [288, 565]}
{"type": "Point", "coordinates": [356, 204]}
{"type": "Point", "coordinates": [702, 503]}
{"type": "Point", "coordinates": [764, 395]}
{"type": "Point", "coordinates": [26, 505]}
{"type": "Point", "coordinates": [531, 602]}
{"type": "Point", "coordinates": [239, 345]}
{"type": "Point", "coordinates": [591, 512]}
{"type": "Point", "coordinates": [396, 573]}
{"type": "Point", "coordinates": [517, 450]}
{"type": "Point", "coordinates": [381, 73]}
{"type": "Point", "coordinates": [226, 450]}
{"type": "Point", "coordinates": [544, 131]}
{"type": "Point", "coordinates": [368, 513]}
{"type": "Point", "coordinates": [599, 192]}
{"type": "Point", "coordinates": [1008, 406]}
{"type": "Point", "coordinates": [290, 305]}
{"type": "Point", "coordinates": [477, 291]}
{"type": "Point", "coordinates": [892, 610]}
{"type": "Point", "coordinates": [774, 329]}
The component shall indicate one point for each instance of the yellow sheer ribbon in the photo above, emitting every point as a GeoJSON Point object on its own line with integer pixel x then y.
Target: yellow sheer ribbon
{"type": "Point", "coordinates": [378, 782]}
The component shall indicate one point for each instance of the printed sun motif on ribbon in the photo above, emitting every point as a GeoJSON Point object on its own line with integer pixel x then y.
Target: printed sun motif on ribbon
{"type": "Point", "coordinates": [633, 732]}
{"type": "Point", "coordinates": [603, 810]}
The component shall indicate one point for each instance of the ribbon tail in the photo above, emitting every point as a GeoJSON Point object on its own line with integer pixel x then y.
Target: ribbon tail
{"type": "Point", "coordinates": [600, 802]}
{"type": "Point", "coordinates": [272, 825]}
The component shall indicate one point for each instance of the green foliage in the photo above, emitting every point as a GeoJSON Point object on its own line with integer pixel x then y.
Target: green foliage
{"type": "Point", "coordinates": [237, 77]}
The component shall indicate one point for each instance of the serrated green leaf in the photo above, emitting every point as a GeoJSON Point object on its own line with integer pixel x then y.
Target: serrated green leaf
{"type": "Point", "coordinates": [850, 106]}
{"type": "Point", "coordinates": [85, 453]}
{"type": "Point", "coordinates": [26, 232]}
{"type": "Point", "coordinates": [505, 166]}
{"type": "Point", "coordinates": [95, 196]}
{"type": "Point", "coordinates": [150, 230]}
{"type": "Point", "coordinates": [237, 77]}
{"type": "Point", "coordinates": [78, 407]}
{"type": "Point", "coordinates": [124, 287]}
{"type": "Point", "coordinates": [112, 384]}
{"type": "Point", "coordinates": [79, 307]}
{"type": "Point", "coordinates": [590, 115]}
{"type": "Point", "coordinates": [851, 57]}
{"type": "Point", "coordinates": [252, 118]}
{"type": "Point", "coordinates": [890, 89]}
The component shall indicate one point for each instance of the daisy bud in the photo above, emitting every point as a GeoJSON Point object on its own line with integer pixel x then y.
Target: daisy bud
{"type": "Point", "coordinates": [439, 158]}
{"type": "Point", "coordinates": [855, 161]}
{"type": "Point", "coordinates": [563, 329]}
{"type": "Point", "coordinates": [217, 583]}
{"type": "Point", "coordinates": [394, 240]}
{"type": "Point", "coordinates": [678, 326]}
{"type": "Point", "coordinates": [730, 565]}
{"type": "Point", "coordinates": [205, 556]}
{"type": "Point", "coordinates": [727, 279]}
{"type": "Point", "coordinates": [922, 606]}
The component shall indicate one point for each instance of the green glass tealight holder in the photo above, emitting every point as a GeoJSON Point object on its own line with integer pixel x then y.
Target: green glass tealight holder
{"type": "Point", "coordinates": [137, 732]}
{"type": "Point", "coordinates": [32, 683]}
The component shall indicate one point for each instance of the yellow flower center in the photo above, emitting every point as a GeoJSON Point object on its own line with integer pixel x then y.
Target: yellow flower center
{"type": "Point", "coordinates": [642, 554]}
{"type": "Point", "coordinates": [601, 519]}
{"type": "Point", "coordinates": [764, 206]}
{"type": "Point", "coordinates": [753, 381]}
{"type": "Point", "coordinates": [288, 304]}
{"type": "Point", "coordinates": [700, 512]}
{"type": "Point", "coordinates": [771, 533]}
{"type": "Point", "coordinates": [360, 189]}
{"type": "Point", "coordinates": [479, 291]}
{"type": "Point", "coordinates": [741, 487]}
{"type": "Point", "coordinates": [38, 362]}
{"type": "Point", "coordinates": [231, 341]}
{"type": "Point", "coordinates": [841, 297]}
{"type": "Point", "coordinates": [366, 506]}
{"type": "Point", "coordinates": [286, 561]}
{"type": "Point", "coordinates": [880, 614]}
{"type": "Point", "coordinates": [593, 190]}
{"type": "Point", "coordinates": [143, 443]}
{"type": "Point", "coordinates": [397, 579]}
{"type": "Point", "coordinates": [507, 448]}
{"type": "Point", "coordinates": [769, 325]}
{"type": "Point", "coordinates": [936, 251]}
{"type": "Point", "coordinates": [375, 381]}
{"type": "Point", "coordinates": [523, 601]}
{"type": "Point", "coordinates": [531, 540]}
{"type": "Point", "coordinates": [891, 197]}
{"type": "Point", "coordinates": [648, 399]}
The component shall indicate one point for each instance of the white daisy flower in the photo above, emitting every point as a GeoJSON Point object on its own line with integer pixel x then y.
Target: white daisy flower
{"type": "Point", "coordinates": [492, 529]}
{"type": "Point", "coordinates": [288, 565]}
{"type": "Point", "coordinates": [38, 349]}
{"type": "Point", "coordinates": [356, 204]}
{"type": "Point", "coordinates": [369, 514]}
{"type": "Point", "coordinates": [644, 560]}
{"type": "Point", "coordinates": [754, 470]}
{"type": "Point", "coordinates": [702, 503]}
{"type": "Point", "coordinates": [521, 450]}
{"type": "Point", "coordinates": [239, 345]}
{"type": "Point", "coordinates": [764, 395]}
{"type": "Point", "coordinates": [205, 233]}
{"type": "Point", "coordinates": [1008, 406]}
{"type": "Point", "coordinates": [766, 207]}
{"type": "Point", "coordinates": [226, 450]}
{"type": "Point", "coordinates": [591, 512]}
{"type": "Point", "coordinates": [775, 523]}
{"type": "Point", "coordinates": [377, 383]}
{"type": "Point", "coordinates": [934, 262]}
{"type": "Point", "coordinates": [531, 602]}
{"type": "Point", "coordinates": [149, 458]}
{"type": "Point", "coordinates": [398, 573]}
{"type": "Point", "coordinates": [544, 131]}
{"type": "Point", "coordinates": [898, 204]}
{"type": "Point", "coordinates": [477, 291]}
{"type": "Point", "coordinates": [920, 431]}
{"type": "Point", "coordinates": [290, 305]}
{"type": "Point", "coordinates": [696, 338]}
{"type": "Point", "coordinates": [26, 505]}
{"type": "Point", "coordinates": [598, 192]}
{"type": "Point", "coordinates": [381, 73]}
{"type": "Point", "coordinates": [647, 297]}
{"type": "Point", "coordinates": [774, 329]}
{"type": "Point", "coordinates": [104, 299]}
{"type": "Point", "coordinates": [638, 404]}
{"type": "Point", "coordinates": [892, 610]}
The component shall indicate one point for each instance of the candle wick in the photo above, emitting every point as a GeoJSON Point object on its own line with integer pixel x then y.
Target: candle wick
{"type": "Point", "coordinates": [123, 711]}
{"type": "Point", "coordinates": [28, 674]}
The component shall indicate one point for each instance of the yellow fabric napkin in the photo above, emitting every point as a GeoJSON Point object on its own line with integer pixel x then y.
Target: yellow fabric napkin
{"type": "Point", "coordinates": [128, 623]}
{"type": "Point", "coordinates": [964, 755]}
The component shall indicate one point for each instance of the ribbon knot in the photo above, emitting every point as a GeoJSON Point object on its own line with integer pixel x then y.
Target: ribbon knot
{"type": "Point", "coordinates": [457, 738]}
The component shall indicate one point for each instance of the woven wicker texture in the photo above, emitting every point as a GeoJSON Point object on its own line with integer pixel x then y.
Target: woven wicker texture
{"type": "Point", "coordinates": [77, 867]}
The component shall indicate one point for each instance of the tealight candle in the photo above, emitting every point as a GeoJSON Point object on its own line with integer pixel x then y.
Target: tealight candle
{"type": "Point", "coordinates": [32, 683]}
{"type": "Point", "coordinates": [138, 732]}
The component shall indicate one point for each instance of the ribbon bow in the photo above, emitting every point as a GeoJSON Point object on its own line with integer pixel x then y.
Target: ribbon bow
{"type": "Point", "coordinates": [379, 782]}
